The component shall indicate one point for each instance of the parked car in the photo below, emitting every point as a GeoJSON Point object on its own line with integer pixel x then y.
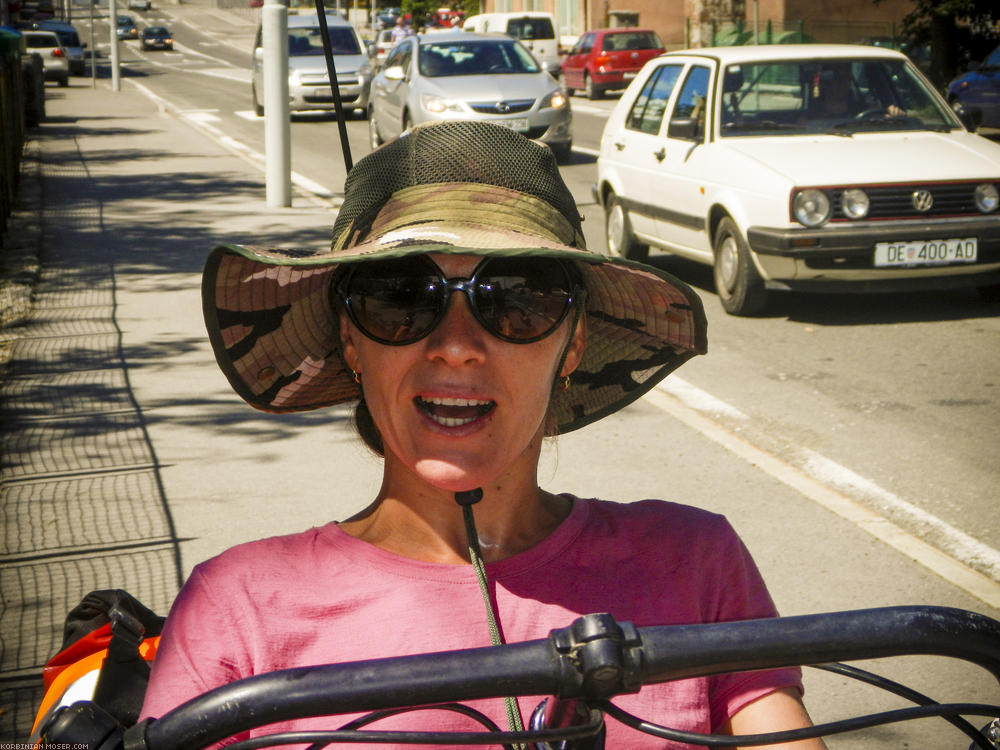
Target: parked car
{"type": "Point", "coordinates": [463, 76]}
{"type": "Point", "coordinates": [535, 29]}
{"type": "Point", "coordinates": [46, 44]}
{"type": "Point", "coordinates": [737, 158]}
{"type": "Point", "coordinates": [979, 89]}
{"type": "Point", "coordinates": [139, 4]}
{"type": "Point", "coordinates": [308, 79]}
{"type": "Point", "coordinates": [127, 28]}
{"type": "Point", "coordinates": [380, 47]}
{"type": "Point", "coordinates": [606, 59]}
{"type": "Point", "coordinates": [70, 41]}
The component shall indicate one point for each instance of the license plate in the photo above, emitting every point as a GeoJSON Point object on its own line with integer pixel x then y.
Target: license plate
{"type": "Point", "coordinates": [926, 252]}
{"type": "Point", "coordinates": [520, 124]}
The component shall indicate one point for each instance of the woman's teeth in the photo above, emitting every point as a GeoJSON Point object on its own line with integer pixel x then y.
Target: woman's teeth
{"type": "Point", "coordinates": [454, 412]}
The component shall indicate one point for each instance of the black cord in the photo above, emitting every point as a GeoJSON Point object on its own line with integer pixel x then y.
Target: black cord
{"type": "Point", "coordinates": [792, 735]}
{"type": "Point", "coordinates": [320, 738]}
{"type": "Point", "coordinates": [331, 71]}
{"type": "Point", "coordinates": [903, 691]}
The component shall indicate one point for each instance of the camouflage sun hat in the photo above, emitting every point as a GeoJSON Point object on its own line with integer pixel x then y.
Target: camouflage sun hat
{"type": "Point", "coordinates": [457, 187]}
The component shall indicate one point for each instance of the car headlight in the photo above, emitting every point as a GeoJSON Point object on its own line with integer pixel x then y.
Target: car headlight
{"type": "Point", "coordinates": [436, 105]}
{"type": "Point", "coordinates": [855, 204]}
{"type": "Point", "coordinates": [987, 198]}
{"type": "Point", "coordinates": [811, 207]}
{"type": "Point", "coordinates": [555, 100]}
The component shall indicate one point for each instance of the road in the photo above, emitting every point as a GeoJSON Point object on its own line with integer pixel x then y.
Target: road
{"type": "Point", "coordinates": [855, 404]}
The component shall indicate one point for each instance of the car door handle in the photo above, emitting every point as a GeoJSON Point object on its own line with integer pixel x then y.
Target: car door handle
{"type": "Point", "coordinates": [620, 145]}
{"type": "Point", "coordinates": [661, 154]}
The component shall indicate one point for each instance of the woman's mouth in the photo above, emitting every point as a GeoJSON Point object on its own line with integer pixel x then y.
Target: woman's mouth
{"type": "Point", "coordinates": [453, 412]}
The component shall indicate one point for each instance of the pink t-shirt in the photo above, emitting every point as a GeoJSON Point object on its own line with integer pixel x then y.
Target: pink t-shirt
{"type": "Point", "coordinates": [322, 597]}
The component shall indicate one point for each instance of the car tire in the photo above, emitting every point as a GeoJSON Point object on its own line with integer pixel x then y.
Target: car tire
{"type": "Point", "coordinates": [64, 81]}
{"type": "Point", "coordinates": [374, 139]}
{"type": "Point", "coordinates": [561, 151]}
{"type": "Point", "coordinates": [258, 108]}
{"type": "Point", "coordinates": [618, 232]}
{"type": "Point", "coordinates": [591, 90]}
{"type": "Point", "coordinates": [989, 293]}
{"type": "Point", "coordinates": [737, 281]}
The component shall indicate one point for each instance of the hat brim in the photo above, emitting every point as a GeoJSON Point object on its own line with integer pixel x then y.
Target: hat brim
{"type": "Point", "coordinates": [276, 335]}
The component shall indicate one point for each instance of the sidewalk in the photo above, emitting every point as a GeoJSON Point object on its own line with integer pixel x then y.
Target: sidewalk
{"type": "Point", "coordinates": [113, 186]}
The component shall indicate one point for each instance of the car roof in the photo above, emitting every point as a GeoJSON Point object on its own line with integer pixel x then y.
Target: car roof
{"type": "Point", "coordinates": [311, 19]}
{"type": "Point", "coordinates": [617, 30]}
{"type": "Point", "coordinates": [41, 32]}
{"type": "Point", "coordinates": [55, 26]}
{"type": "Point", "coordinates": [453, 35]}
{"type": "Point", "coordinates": [760, 52]}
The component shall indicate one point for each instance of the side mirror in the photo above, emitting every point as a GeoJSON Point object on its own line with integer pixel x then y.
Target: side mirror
{"type": "Point", "coordinates": [971, 118]}
{"type": "Point", "coordinates": [395, 73]}
{"type": "Point", "coordinates": [687, 129]}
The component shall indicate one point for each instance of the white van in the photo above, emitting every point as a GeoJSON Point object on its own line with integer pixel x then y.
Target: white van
{"type": "Point", "coordinates": [535, 29]}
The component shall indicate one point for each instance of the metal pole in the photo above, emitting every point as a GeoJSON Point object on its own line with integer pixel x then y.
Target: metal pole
{"type": "Point", "coordinates": [116, 83]}
{"type": "Point", "coordinates": [93, 49]}
{"type": "Point", "coordinates": [277, 131]}
{"type": "Point", "coordinates": [756, 22]}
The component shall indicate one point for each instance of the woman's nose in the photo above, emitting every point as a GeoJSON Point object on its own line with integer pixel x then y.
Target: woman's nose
{"type": "Point", "coordinates": [459, 337]}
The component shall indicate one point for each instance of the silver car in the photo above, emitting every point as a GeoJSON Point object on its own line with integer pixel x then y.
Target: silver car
{"type": "Point", "coordinates": [464, 76]}
{"type": "Point", "coordinates": [46, 45]}
{"type": "Point", "coordinates": [308, 81]}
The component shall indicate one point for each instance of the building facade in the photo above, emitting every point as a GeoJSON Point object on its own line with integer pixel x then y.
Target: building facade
{"type": "Point", "coordinates": [700, 23]}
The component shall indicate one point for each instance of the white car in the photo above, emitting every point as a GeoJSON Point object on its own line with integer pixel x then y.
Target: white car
{"type": "Point", "coordinates": [812, 167]}
{"type": "Point", "coordinates": [55, 61]}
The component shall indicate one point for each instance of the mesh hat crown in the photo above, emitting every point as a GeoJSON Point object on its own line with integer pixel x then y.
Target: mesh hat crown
{"type": "Point", "coordinates": [453, 187]}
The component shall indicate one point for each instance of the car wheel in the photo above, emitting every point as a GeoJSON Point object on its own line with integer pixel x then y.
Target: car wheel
{"type": "Point", "coordinates": [374, 139]}
{"type": "Point", "coordinates": [618, 231]}
{"type": "Point", "coordinates": [590, 89]}
{"type": "Point", "coordinates": [737, 282]}
{"type": "Point", "coordinates": [258, 108]}
{"type": "Point", "coordinates": [562, 152]}
{"type": "Point", "coordinates": [64, 81]}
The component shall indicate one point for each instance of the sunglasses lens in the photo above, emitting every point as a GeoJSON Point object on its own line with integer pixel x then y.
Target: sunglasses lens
{"type": "Point", "coordinates": [522, 299]}
{"type": "Point", "coordinates": [395, 301]}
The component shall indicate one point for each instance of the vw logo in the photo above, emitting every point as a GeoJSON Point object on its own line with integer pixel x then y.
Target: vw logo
{"type": "Point", "coordinates": [502, 107]}
{"type": "Point", "coordinates": [922, 200]}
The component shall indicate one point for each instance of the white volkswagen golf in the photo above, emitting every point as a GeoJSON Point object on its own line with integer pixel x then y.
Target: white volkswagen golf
{"type": "Point", "coordinates": [787, 167]}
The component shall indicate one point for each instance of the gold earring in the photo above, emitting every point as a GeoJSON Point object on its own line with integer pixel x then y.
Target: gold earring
{"type": "Point", "coordinates": [357, 376]}
{"type": "Point", "coordinates": [564, 383]}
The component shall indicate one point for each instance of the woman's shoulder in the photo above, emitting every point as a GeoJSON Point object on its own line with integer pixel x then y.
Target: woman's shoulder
{"type": "Point", "coordinates": [282, 551]}
{"type": "Point", "coordinates": [653, 515]}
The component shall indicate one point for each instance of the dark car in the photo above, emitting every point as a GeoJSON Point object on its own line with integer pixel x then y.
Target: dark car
{"type": "Point", "coordinates": [156, 37]}
{"type": "Point", "coordinates": [127, 28]}
{"type": "Point", "coordinates": [605, 59]}
{"type": "Point", "coordinates": [979, 89]}
{"type": "Point", "coordinates": [70, 40]}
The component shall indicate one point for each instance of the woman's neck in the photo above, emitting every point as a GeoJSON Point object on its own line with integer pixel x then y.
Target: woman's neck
{"type": "Point", "coordinates": [426, 523]}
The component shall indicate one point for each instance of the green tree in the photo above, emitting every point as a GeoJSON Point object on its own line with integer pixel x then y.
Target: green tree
{"type": "Point", "coordinates": [957, 32]}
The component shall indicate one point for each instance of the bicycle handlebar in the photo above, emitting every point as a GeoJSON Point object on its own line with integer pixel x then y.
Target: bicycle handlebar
{"type": "Point", "coordinates": [593, 658]}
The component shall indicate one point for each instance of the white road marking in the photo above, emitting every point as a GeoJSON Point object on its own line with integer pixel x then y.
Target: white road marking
{"type": "Point", "coordinates": [953, 569]}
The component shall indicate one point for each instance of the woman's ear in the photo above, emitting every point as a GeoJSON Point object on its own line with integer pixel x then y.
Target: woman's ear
{"type": "Point", "coordinates": [574, 351]}
{"type": "Point", "coordinates": [347, 348]}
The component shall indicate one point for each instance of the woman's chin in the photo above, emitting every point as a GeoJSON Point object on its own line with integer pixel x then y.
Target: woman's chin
{"type": "Point", "coordinates": [446, 475]}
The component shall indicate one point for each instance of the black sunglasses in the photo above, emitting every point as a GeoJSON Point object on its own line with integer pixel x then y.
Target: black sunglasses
{"type": "Point", "coordinates": [517, 299]}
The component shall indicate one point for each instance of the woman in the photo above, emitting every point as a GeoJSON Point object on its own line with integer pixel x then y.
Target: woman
{"type": "Point", "coordinates": [457, 395]}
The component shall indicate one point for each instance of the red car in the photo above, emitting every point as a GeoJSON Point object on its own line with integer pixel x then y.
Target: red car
{"type": "Point", "coordinates": [605, 59]}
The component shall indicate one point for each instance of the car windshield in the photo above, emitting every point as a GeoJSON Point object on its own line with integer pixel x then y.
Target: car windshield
{"type": "Point", "coordinates": [993, 60]}
{"type": "Point", "coordinates": [475, 58]}
{"type": "Point", "coordinates": [68, 38]}
{"type": "Point", "coordinates": [156, 31]}
{"type": "Point", "coordinates": [41, 40]}
{"type": "Point", "coordinates": [307, 42]}
{"type": "Point", "coordinates": [839, 97]}
{"type": "Point", "coordinates": [628, 40]}
{"type": "Point", "coordinates": [530, 28]}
